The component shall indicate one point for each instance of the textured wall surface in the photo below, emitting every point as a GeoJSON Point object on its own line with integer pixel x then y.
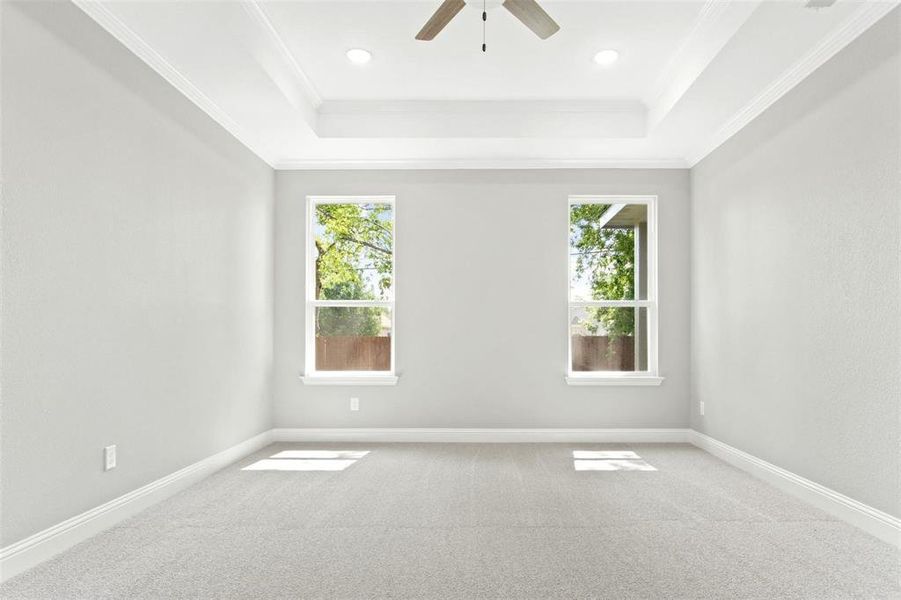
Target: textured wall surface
{"type": "Point", "coordinates": [796, 259]}
{"type": "Point", "coordinates": [482, 302]}
{"type": "Point", "coordinates": [136, 273]}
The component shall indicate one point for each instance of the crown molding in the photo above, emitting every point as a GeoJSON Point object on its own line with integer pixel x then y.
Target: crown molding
{"type": "Point", "coordinates": [476, 119]}
{"type": "Point", "coordinates": [710, 13]}
{"type": "Point", "coordinates": [862, 19]}
{"type": "Point", "coordinates": [256, 12]}
{"type": "Point", "coordinates": [717, 24]}
{"type": "Point", "coordinates": [487, 163]}
{"type": "Point", "coordinates": [481, 107]}
{"type": "Point", "coordinates": [143, 50]}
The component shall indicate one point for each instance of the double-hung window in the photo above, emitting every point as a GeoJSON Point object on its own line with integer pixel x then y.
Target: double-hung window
{"type": "Point", "coordinates": [350, 290]}
{"type": "Point", "coordinates": [612, 318]}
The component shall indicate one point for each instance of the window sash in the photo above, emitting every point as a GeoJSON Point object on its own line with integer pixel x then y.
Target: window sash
{"type": "Point", "coordinates": [650, 341]}
{"type": "Point", "coordinates": [312, 303]}
{"type": "Point", "coordinates": [652, 298]}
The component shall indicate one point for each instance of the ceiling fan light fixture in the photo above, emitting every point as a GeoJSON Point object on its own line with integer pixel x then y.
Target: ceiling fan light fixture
{"type": "Point", "coordinates": [359, 56]}
{"type": "Point", "coordinates": [605, 58]}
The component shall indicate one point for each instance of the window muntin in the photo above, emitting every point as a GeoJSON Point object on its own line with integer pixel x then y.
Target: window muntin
{"type": "Point", "coordinates": [612, 286]}
{"type": "Point", "coordinates": [350, 286]}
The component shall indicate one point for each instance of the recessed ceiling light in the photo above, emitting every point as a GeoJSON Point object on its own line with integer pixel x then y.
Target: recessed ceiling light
{"type": "Point", "coordinates": [358, 56]}
{"type": "Point", "coordinates": [605, 58]}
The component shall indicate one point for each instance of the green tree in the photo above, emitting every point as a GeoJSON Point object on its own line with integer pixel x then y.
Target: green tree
{"type": "Point", "coordinates": [607, 256]}
{"type": "Point", "coordinates": [353, 262]}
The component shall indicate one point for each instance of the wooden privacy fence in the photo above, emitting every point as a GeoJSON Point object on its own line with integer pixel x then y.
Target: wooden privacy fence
{"type": "Point", "coordinates": [353, 353]}
{"type": "Point", "coordinates": [599, 353]}
{"type": "Point", "coordinates": [373, 353]}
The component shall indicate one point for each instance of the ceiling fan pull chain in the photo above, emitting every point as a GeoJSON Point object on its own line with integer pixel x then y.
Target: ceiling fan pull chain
{"type": "Point", "coordinates": [484, 21]}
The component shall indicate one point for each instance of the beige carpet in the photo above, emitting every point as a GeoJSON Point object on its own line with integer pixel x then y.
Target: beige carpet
{"type": "Point", "coordinates": [475, 521]}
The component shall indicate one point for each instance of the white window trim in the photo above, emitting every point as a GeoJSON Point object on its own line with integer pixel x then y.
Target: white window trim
{"type": "Point", "coordinates": [651, 377]}
{"type": "Point", "coordinates": [311, 376]}
{"type": "Point", "coordinates": [349, 378]}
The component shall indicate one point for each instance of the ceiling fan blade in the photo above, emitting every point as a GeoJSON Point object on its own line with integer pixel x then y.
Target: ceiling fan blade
{"type": "Point", "coordinates": [533, 17]}
{"type": "Point", "coordinates": [447, 11]}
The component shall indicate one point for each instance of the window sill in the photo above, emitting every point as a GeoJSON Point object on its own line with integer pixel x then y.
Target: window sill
{"type": "Point", "coordinates": [646, 380]}
{"type": "Point", "coordinates": [349, 379]}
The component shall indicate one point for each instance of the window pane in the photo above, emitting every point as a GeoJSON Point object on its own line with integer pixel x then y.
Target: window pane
{"type": "Point", "coordinates": [353, 338]}
{"type": "Point", "coordinates": [607, 251]}
{"type": "Point", "coordinates": [353, 250]}
{"type": "Point", "coordinates": [609, 339]}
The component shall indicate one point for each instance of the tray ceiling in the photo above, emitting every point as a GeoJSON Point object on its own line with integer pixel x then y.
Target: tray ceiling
{"type": "Point", "coordinates": [689, 74]}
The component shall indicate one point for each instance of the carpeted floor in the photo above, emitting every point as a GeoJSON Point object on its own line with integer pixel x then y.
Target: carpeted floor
{"type": "Point", "coordinates": [475, 521]}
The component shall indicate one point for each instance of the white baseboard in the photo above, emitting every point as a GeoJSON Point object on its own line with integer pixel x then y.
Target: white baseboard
{"type": "Point", "coordinates": [875, 522]}
{"type": "Point", "coordinates": [37, 548]}
{"type": "Point", "coordinates": [437, 434]}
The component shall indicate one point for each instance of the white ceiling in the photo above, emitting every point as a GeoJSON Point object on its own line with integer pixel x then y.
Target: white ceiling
{"type": "Point", "coordinates": [517, 66]}
{"type": "Point", "coordinates": [691, 73]}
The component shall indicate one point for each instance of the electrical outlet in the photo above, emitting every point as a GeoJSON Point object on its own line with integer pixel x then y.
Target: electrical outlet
{"type": "Point", "coordinates": [701, 405]}
{"type": "Point", "coordinates": [354, 404]}
{"type": "Point", "coordinates": [109, 457]}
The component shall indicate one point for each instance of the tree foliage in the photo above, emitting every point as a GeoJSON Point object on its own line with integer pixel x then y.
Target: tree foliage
{"type": "Point", "coordinates": [607, 256]}
{"type": "Point", "coordinates": [353, 262]}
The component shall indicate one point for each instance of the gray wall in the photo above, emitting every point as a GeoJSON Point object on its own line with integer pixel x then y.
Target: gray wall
{"type": "Point", "coordinates": [136, 273]}
{"type": "Point", "coordinates": [137, 279]}
{"type": "Point", "coordinates": [482, 302]}
{"type": "Point", "coordinates": [795, 265]}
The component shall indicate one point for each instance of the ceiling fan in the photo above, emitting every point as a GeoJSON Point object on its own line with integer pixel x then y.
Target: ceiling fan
{"type": "Point", "coordinates": [527, 11]}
